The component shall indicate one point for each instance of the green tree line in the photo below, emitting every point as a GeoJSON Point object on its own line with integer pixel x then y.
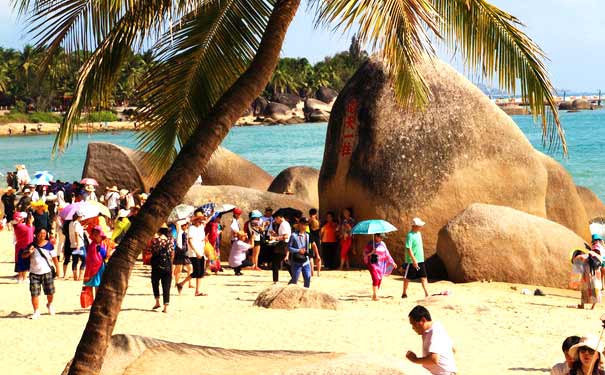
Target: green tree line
{"type": "Point", "coordinates": [23, 86]}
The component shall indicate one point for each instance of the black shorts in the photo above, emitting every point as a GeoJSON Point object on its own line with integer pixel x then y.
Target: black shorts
{"type": "Point", "coordinates": [256, 243]}
{"type": "Point", "coordinates": [411, 273]}
{"type": "Point", "coordinates": [66, 255]}
{"type": "Point", "coordinates": [198, 267]}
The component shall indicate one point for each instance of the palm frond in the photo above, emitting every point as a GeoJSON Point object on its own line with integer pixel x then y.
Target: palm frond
{"type": "Point", "coordinates": [99, 72]}
{"type": "Point", "coordinates": [490, 41]}
{"type": "Point", "coordinates": [197, 61]}
{"type": "Point", "coordinates": [398, 29]}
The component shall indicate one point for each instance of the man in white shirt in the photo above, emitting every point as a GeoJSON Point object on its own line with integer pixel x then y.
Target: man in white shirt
{"type": "Point", "coordinates": [78, 246]}
{"type": "Point", "coordinates": [196, 240]}
{"type": "Point", "coordinates": [112, 200]}
{"type": "Point", "coordinates": [41, 255]}
{"type": "Point", "coordinates": [280, 251]}
{"type": "Point", "coordinates": [437, 348]}
{"type": "Point", "coordinates": [564, 367]}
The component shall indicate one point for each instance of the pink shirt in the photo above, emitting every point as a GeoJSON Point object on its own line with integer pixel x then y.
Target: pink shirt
{"type": "Point", "coordinates": [24, 235]}
{"type": "Point", "coordinates": [94, 260]}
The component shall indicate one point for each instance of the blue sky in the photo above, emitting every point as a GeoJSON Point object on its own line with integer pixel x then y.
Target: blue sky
{"type": "Point", "coordinates": [571, 32]}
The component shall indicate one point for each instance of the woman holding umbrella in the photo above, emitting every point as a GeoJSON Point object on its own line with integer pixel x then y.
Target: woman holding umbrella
{"type": "Point", "coordinates": [376, 256]}
{"type": "Point", "coordinates": [379, 262]}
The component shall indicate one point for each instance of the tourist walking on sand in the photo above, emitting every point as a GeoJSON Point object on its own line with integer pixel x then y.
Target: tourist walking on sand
{"type": "Point", "coordinates": [414, 267]}
{"type": "Point", "coordinates": [8, 201]}
{"type": "Point", "coordinates": [112, 201]}
{"type": "Point", "coordinates": [587, 355]}
{"type": "Point", "coordinates": [41, 217]}
{"type": "Point", "coordinates": [329, 242]}
{"type": "Point", "coordinates": [255, 230]}
{"type": "Point", "coordinates": [377, 258]}
{"type": "Point", "coordinates": [599, 247]}
{"type": "Point", "coordinates": [588, 265]}
{"type": "Point", "coordinates": [121, 225]}
{"type": "Point", "coordinates": [195, 252]}
{"type": "Point", "coordinates": [181, 260]}
{"type": "Point", "coordinates": [437, 347]}
{"type": "Point", "coordinates": [23, 232]}
{"type": "Point", "coordinates": [95, 259]}
{"type": "Point", "coordinates": [78, 242]}
{"type": "Point", "coordinates": [24, 201]}
{"type": "Point", "coordinates": [346, 238]}
{"type": "Point", "coordinates": [213, 238]}
{"type": "Point", "coordinates": [300, 246]}
{"type": "Point", "coordinates": [280, 250]}
{"type": "Point", "coordinates": [162, 255]}
{"type": "Point", "coordinates": [314, 236]}
{"type": "Point", "coordinates": [40, 254]}
{"type": "Point", "coordinates": [564, 367]}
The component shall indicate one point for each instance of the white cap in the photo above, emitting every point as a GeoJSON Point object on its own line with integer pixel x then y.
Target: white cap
{"type": "Point", "coordinates": [417, 222]}
{"type": "Point", "coordinates": [26, 191]}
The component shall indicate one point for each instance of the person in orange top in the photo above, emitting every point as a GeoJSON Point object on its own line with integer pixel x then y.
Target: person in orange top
{"type": "Point", "coordinates": [329, 242]}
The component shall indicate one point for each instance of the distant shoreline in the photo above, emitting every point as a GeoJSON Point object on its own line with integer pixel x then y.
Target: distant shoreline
{"type": "Point", "coordinates": [32, 129]}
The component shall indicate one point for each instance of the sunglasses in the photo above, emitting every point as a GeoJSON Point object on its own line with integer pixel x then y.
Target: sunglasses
{"type": "Point", "coordinates": [586, 349]}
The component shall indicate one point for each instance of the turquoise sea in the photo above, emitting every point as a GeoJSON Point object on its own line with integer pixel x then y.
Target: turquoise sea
{"type": "Point", "coordinates": [277, 147]}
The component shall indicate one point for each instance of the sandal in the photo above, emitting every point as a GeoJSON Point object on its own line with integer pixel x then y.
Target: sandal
{"type": "Point", "coordinates": [201, 295]}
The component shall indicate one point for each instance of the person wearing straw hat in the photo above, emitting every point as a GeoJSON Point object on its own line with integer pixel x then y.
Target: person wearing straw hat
{"type": "Point", "coordinates": [112, 201]}
{"type": "Point", "coordinates": [587, 356]}
{"type": "Point", "coordinates": [195, 251]}
{"type": "Point", "coordinates": [8, 200]}
{"type": "Point", "coordinates": [25, 201]}
{"type": "Point", "coordinates": [414, 267]}
{"type": "Point", "coordinates": [89, 193]}
{"type": "Point", "coordinates": [162, 256]}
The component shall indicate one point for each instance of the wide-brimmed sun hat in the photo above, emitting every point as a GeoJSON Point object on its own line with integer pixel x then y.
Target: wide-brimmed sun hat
{"type": "Point", "coordinates": [417, 222]}
{"type": "Point", "coordinates": [596, 237]}
{"type": "Point", "coordinates": [589, 342]}
{"type": "Point", "coordinates": [123, 191]}
{"type": "Point", "coordinates": [143, 196]}
{"type": "Point", "coordinates": [25, 191]}
{"type": "Point", "coordinates": [114, 188]}
{"type": "Point", "coordinates": [19, 216]}
{"type": "Point", "coordinates": [256, 214]}
{"type": "Point", "coordinates": [89, 188]}
{"type": "Point", "coordinates": [51, 197]}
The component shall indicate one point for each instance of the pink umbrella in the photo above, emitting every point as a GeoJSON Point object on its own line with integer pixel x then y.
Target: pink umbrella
{"type": "Point", "coordinates": [67, 213]}
{"type": "Point", "coordinates": [89, 181]}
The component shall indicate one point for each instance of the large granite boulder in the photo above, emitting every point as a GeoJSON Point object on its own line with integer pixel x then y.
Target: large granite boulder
{"type": "Point", "coordinates": [563, 203]}
{"type": "Point", "coordinates": [291, 297]}
{"type": "Point", "coordinates": [326, 94]}
{"type": "Point", "coordinates": [228, 168]}
{"type": "Point", "coordinates": [316, 110]}
{"type": "Point", "coordinates": [277, 112]}
{"type": "Point", "coordinates": [299, 181]}
{"type": "Point", "coordinates": [592, 204]}
{"type": "Point", "coordinates": [487, 242]}
{"type": "Point", "coordinates": [258, 106]}
{"type": "Point", "coordinates": [394, 163]}
{"type": "Point", "coordinates": [287, 99]}
{"type": "Point", "coordinates": [111, 164]}
{"type": "Point", "coordinates": [244, 198]}
{"type": "Point", "coordinates": [131, 354]}
{"type": "Point", "coordinates": [581, 104]}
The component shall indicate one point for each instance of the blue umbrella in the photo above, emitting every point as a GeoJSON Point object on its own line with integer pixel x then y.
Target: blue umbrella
{"type": "Point", "coordinates": [42, 178]}
{"type": "Point", "coordinates": [373, 227]}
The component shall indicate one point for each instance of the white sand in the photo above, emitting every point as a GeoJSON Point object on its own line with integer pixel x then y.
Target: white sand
{"type": "Point", "coordinates": [496, 330]}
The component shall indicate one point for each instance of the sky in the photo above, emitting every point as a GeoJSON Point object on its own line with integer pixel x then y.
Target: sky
{"type": "Point", "coordinates": [571, 32]}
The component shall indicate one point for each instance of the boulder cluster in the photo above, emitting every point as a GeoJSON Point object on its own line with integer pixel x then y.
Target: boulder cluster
{"type": "Point", "coordinates": [495, 207]}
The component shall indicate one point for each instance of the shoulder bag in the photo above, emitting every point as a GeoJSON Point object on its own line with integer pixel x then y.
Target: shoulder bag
{"type": "Point", "coordinates": [53, 272]}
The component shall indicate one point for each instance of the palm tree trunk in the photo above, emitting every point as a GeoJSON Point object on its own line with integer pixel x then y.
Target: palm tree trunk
{"type": "Point", "coordinates": [172, 188]}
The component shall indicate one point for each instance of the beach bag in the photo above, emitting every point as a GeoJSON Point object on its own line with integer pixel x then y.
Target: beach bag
{"type": "Point", "coordinates": [86, 298]}
{"type": "Point", "coordinates": [209, 252]}
{"type": "Point", "coordinates": [53, 271]}
{"type": "Point", "coordinates": [299, 258]}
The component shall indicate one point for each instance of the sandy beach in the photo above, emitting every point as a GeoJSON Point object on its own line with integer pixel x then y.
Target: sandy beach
{"type": "Point", "coordinates": [48, 128]}
{"type": "Point", "coordinates": [496, 330]}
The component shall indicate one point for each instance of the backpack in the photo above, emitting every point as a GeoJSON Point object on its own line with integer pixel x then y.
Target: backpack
{"type": "Point", "coordinates": [162, 260]}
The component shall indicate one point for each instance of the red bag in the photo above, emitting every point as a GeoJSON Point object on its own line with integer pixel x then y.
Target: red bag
{"type": "Point", "coordinates": [86, 298]}
{"type": "Point", "coordinates": [147, 255]}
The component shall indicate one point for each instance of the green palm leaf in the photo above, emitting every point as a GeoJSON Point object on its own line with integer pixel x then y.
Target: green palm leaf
{"type": "Point", "coordinates": [490, 41]}
{"type": "Point", "coordinates": [202, 56]}
{"type": "Point", "coordinates": [398, 29]}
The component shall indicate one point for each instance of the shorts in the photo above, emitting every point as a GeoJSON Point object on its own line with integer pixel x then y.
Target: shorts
{"type": "Point", "coordinates": [410, 273]}
{"type": "Point", "coordinates": [198, 267]}
{"type": "Point", "coordinates": [257, 243]}
{"type": "Point", "coordinates": [41, 282]}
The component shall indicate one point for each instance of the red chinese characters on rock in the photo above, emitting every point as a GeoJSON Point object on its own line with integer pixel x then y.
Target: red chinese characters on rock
{"type": "Point", "coordinates": [350, 128]}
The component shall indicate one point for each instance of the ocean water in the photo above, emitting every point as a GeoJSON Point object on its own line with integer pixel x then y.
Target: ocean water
{"type": "Point", "coordinates": [275, 148]}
